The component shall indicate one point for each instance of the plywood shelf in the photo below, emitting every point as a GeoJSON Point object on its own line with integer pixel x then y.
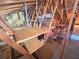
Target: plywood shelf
{"type": "Point", "coordinates": [26, 34]}
{"type": "Point", "coordinates": [29, 38]}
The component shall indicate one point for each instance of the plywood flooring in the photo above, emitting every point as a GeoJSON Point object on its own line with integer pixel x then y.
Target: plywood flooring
{"type": "Point", "coordinates": [26, 33]}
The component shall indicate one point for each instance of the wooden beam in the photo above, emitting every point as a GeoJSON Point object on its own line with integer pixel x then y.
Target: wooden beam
{"type": "Point", "coordinates": [12, 43]}
{"type": "Point", "coordinates": [9, 11]}
{"type": "Point", "coordinates": [71, 23]}
{"type": "Point", "coordinates": [9, 2]}
{"type": "Point", "coordinates": [10, 7]}
{"type": "Point", "coordinates": [50, 26]}
{"type": "Point", "coordinates": [14, 6]}
{"type": "Point", "coordinates": [2, 24]}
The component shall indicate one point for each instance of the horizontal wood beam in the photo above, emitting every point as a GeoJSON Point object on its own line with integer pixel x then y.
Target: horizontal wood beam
{"type": "Point", "coordinates": [10, 7]}
{"type": "Point", "coordinates": [10, 10]}
{"type": "Point", "coordinates": [10, 2]}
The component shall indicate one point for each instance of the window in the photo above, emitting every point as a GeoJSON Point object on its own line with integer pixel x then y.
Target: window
{"type": "Point", "coordinates": [15, 19]}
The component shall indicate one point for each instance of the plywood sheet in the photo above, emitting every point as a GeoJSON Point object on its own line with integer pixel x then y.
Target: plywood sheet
{"type": "Point", "coordinates": [24, 34]}
{"type": "Point", "coordinates": [33, 45]}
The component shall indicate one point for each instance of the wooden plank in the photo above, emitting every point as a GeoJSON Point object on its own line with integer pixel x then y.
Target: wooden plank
{"type": "Point", "coordinates": [33, 44]}
{"type": "Point", "coordinates": [26, 34]}
{"type": "Point", "coordinates": [15, 2]}
{"type": "Point", "coordinates": [12, 43]}
{"type": "Point", "coordinates": [10, 7]}
{"type": "Point", "coordinates": [2, 24]}
{"type": "Point", "coordinates": [29, 38]}
{"type": "Point", "coordinates": [9, 11]}
{"type": "Point", "coordinates": [50, 26]}
{"type": "Point", "coordinates": [71, 23]}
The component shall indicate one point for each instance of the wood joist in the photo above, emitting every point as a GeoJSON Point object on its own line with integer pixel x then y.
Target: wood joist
{"type": "Point", "coordinates": [13, 2]}
{"type": "Point", "coordinates": [10, 6]}
{"type": "Point", "coordinates": [5, 35]}
{"type": "Point", "coordinates": [14, 45]}
{"type": "Point", "coordinates": [5, 26]}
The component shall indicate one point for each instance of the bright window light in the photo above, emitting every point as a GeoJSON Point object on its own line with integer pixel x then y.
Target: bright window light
{"type": "Point", "coordinates": [75, 37]}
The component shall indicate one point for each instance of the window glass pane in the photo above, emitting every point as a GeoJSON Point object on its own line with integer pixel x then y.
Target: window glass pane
{"type": "Point", "coordinates": [15, 19]}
